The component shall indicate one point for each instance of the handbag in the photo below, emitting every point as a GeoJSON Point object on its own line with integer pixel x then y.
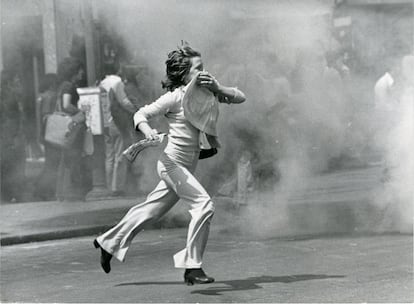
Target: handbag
{"type": "Point", "coordinates": [207, 153]}
{"type": "Point", "coordinates": [62, 129]}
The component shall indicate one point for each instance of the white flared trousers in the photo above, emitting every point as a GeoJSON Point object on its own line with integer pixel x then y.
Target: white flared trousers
{"type": "Point", "coordinates": [177, 182]}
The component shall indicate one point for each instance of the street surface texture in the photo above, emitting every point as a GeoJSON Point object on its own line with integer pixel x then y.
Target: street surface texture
{"type": "Point", "coordinates": [324, 269]}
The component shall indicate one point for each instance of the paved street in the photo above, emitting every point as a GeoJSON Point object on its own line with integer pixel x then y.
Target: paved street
{"type": "Point", "coordinates": [302, 264]}
{"type": "Point", "coordinates": [375, 268]}
{"type": "Point", "coordinates": [310, 196]}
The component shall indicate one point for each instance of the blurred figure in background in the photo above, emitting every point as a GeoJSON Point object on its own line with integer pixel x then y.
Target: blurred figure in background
{"type": "Point", "coordinates": [334, 86]}
{"type": "Point", "coordinates": [118, 128]}
{"type": "Point", "coordinates": [396, 195]}
{"type": "Point", "coordinates": [13, 154]}
{"type": "Point", "coordinates": [45, 105]}
{"type": "Point", "coordinates": [134, 91]}
{"type": "Point", "coordinates": [135, 94]}
{"type": "Point", "coordinates": [74, 180]}
{"type": "Point", "coordinates": [129, 76]}
{"type": "Point", "coordinates": [386, 100]}
{"type": "Point", "coordinates": [383, 90]}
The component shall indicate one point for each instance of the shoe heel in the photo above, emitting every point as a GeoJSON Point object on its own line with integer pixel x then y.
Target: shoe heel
{"type": "Point", "coordinates": [95, 243]}
{"type": "Point", "coordinates": [189, 282]}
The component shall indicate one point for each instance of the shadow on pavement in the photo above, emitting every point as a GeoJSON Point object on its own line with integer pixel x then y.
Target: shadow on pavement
{"type": "Point", "coordinates": [243, 284]}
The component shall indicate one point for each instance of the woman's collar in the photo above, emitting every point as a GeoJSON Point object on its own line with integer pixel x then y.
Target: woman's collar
{"type": "Point", "coordinates": [184, 88]}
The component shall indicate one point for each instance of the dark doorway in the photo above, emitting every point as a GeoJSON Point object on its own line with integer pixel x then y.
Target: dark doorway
{"type": "Point", "coordinates": [22, 50]}
{"type": "Point", "coordinates": [22, 39]}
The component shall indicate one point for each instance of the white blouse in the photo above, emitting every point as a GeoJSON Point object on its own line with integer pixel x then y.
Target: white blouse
{"type": "Point", "coordinates": [182, 135]}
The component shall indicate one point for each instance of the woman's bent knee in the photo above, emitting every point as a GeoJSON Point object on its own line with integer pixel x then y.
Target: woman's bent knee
{"type": "Point", "coordinates": [206, 206]}
{"type": "Point", "coordinates": [210, 206]}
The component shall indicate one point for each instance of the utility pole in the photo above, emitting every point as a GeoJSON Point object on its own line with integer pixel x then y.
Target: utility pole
{"type": "Point", "coordinates": [1, 34]}
{"type": "Point", "coordinates": [89, 41]}
{"type": "Point", "coordinates": [99, 189]}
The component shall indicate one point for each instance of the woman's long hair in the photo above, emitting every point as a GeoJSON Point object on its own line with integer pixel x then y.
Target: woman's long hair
{"type": "Point", "coordinates": [178, 65]}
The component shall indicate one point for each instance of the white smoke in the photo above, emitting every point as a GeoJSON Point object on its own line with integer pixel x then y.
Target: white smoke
{"type": "Point", "coordinates": [297, 117]}
{"type": "Point", "coordinates": [396, 198]}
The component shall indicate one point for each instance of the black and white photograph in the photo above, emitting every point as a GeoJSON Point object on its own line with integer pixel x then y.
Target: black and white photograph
{"type": "Point", "coordinates": [215, 151]}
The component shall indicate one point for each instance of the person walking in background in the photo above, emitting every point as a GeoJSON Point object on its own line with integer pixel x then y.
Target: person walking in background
{"type": "Point", "coordinates": [175, 167]}
{"type": "Point", "coordinates": [135, 93]}
{"type": "Point", "coordinates": [118, 127]}
{"type": "Point", "coordinates": [73, 181]}
{"type": "Point", "coordinates": [386, 102]}
{"type": "Point", "coordinates": [13, 155]}
{"type": "Point", "coordinates": [45, 105]}
{"type": "Point", "coordinates": [387, 92]}
{"type": "Point", "coordinates": [129, 76]}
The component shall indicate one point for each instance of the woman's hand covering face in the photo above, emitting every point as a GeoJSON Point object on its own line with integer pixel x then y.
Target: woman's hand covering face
{"type": "Point", "coordinates": [206, 80]}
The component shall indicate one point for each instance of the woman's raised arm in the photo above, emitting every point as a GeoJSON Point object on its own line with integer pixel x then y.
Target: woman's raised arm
{"type": "Point", "coordinates": [231, 95]}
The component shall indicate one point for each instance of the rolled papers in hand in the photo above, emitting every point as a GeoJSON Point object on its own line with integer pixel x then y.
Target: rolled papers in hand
{"type": "Point", "coordinates": [132, 151]}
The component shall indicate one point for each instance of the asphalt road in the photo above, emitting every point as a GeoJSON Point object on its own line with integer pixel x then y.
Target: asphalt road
{"type": "Point", "coordinates": [340, 269]}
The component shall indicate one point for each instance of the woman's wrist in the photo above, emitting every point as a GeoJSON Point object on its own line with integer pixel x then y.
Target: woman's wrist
{"type": "Point", "coordinates": [234, 93]}
{"type": "Point", "coordinates": [221, 90]}
{"type": "Point", "coordinates": [144, 127]}
{"type": "Point", "coordinates": [227, 92]}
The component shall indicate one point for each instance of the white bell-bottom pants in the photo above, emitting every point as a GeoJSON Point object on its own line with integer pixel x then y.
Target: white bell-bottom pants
{"type": "Point", "coordinates": [177, 182]}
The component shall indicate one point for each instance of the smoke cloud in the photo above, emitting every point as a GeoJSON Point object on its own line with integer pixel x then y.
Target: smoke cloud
{"type": "Point", "coordinates": [396, 198]}
{"type": "Point", "coordinates": [300, 121]}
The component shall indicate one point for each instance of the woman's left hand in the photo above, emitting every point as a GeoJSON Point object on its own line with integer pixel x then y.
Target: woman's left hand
{"type": "Point", "coordinates": [206, 80]}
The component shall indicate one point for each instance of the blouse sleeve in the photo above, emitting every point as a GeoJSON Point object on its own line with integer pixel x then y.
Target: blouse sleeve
{"type": "Point", "coordinates": [160, 107]}
{"type": "Point", "coordinates": [230, 100]}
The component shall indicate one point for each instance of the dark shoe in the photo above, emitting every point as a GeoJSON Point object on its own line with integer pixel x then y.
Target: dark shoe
{"type": "Point", "coordinates": [105, 257]}
{"type": "Point", "coordinates": [196, 276]}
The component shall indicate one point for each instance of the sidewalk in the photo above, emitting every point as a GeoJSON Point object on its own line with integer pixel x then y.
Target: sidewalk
{"type": "Point", "coordinates": [335, 194]}
{"type": "Point", "coordinates": [39, 221]}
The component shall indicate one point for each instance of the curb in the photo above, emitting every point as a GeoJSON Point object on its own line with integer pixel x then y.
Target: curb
{"type": "Point", "coordinates": [79, 232]}
{"type": "Point", "coordinates": [44, 236]}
